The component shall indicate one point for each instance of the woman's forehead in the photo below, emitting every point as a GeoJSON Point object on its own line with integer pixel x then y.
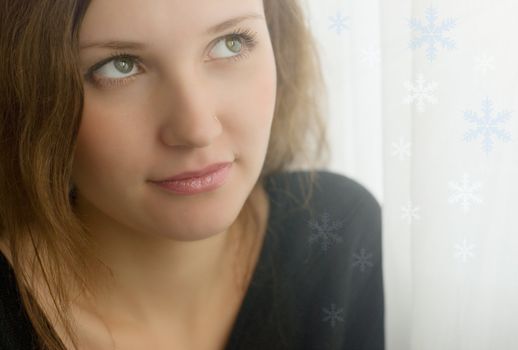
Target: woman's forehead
{"type": "Point", "coordinates": [194, 18]}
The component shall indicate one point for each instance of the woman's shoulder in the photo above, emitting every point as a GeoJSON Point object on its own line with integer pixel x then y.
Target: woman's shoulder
{"type": "Point", "coordinates": [340, 219]}
{"type": "Point", "coordinates": [329, 191]}
{"type": "Point", "coordinates": [330, 258]}
{"type": "Point", "coordinates": [15, 327]}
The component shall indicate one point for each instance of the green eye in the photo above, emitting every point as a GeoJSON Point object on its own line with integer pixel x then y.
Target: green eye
{"type": "Point", "coordinates": [123, 64]}
{"type": "Point", "coordinates": [233, 44]}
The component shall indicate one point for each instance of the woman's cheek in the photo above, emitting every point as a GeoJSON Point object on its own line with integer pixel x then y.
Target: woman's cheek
{"type": "Point", "coordinates": [99, 142]}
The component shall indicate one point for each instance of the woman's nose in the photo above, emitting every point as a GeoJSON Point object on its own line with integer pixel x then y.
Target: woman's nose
{"type": "Point", "coordinates": [189, 119]}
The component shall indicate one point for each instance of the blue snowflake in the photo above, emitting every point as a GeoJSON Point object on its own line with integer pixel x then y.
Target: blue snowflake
{"type": "Point", "coordinates": [486, 125]}
{"type": "Point", "coordinates": [362, 260]}
{"type": "Point", "coordinates": [333, 315]}
{"type": "Point", "coordinates": [338, 22]}
{"type": "Point", "coordinates": [432, 33]}
{"type": "Point", "coordinates": [324, 231]}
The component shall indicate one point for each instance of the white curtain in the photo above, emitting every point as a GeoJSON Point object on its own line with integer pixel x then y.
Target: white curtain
{"type": "Point", "coordinates": [424, 113]}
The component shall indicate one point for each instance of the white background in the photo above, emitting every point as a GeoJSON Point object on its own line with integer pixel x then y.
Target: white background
{"type": "Point", "coordinates": [399, 119]}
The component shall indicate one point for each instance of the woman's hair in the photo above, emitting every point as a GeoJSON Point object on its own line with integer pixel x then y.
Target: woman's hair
{"type": "Point", "coordinates": [41, 103]}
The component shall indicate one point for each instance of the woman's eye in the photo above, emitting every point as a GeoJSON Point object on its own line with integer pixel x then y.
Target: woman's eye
{"type": "Point", "coordinates": [231, 43]}
{"type": "Point", "coordinates": [122, 67]}
{"type": "Point", "coordinates": [240, 43]}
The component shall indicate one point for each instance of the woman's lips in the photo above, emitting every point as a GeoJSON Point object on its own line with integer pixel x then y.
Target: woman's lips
{"type": "Point", "coordinates": [194, 185]}
{"type": "Point", "coordinates": [198, 173]}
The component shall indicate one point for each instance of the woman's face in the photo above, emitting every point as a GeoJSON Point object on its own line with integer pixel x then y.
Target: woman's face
{"type": "Point", "coordinates": [150, 115]}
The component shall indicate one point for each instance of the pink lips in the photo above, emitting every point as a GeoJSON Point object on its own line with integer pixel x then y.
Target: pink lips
{"type": "Point", "coordinates": [208, 181]}
{"type": "Point", "coordinates": [198, 173]}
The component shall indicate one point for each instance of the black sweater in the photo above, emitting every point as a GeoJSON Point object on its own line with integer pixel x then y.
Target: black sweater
{"type": "Point", "coordinates": [318, 283]}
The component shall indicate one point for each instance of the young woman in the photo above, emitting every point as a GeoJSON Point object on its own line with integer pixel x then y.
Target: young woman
{"type": "Point", "coordinates": [148, 192]}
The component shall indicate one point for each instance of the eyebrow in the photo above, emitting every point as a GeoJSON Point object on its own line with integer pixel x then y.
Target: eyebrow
{"type": "Point", "coordinates": [122, 44]}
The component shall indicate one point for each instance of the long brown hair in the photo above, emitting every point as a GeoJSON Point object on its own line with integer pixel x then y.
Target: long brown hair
{"type": "Point", "coordinates": [41, 103]}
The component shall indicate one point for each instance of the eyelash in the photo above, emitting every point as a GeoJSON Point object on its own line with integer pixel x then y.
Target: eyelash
{"type": "Point", "coordinates": [249, 39]}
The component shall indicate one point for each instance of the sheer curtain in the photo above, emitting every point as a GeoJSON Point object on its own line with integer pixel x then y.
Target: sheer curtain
{"type": "Point", "coordinates": [424, 109]}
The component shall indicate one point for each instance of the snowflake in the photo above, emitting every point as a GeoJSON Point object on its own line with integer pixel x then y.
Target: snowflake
{"type": "Point", "coordinates": [371, 55]}
{"type": "Point", "coordinates": [463, 251]}
{"type": "Point", "coordinates": [410, 212]}
{"type": "Point", "coordinates": [401, 149]}
{"type": "Point", "coordinates": [486, 125]}
{"type": "Point", "coordinates": [338, 22]}
{"type": "Point", "coordinates": [324, 231]}
{"type": "Point", "coordinates": [333, 315]}
{"type": "Point", "coordinates": [465, 192]}
{"type": "Point", "coordinates": [432, 33]}
{"type": "Point", "coordinates": [421, 92]}
{"type": "Point", "coordinates": [362, 260]}
{"type": "Point", "coordinates": [483, 63]}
